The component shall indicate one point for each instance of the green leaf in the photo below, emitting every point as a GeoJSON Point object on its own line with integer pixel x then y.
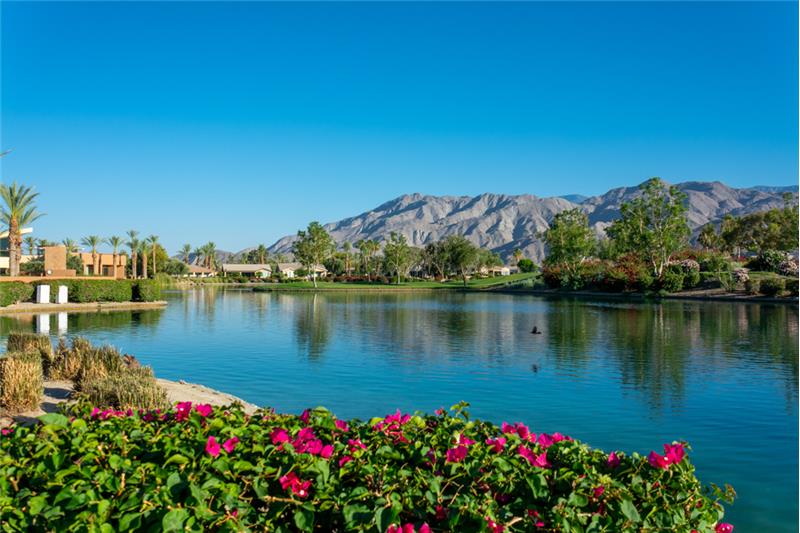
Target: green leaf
{"type": "Point", "coordinates": [130, 521]}
{"type": "Point", "coordinates": [630, 512]}
{"type": "Point", "coordinates": [177, 459]}
{"type": "Point", "coordinates": [54, 419]}
{"type": "Point", "coordinates": [578, 500]}
{"type": "Point", "coordinates": [304, 519]}
{"type": "Point", "coordinates": [36, 504]}
{"type": "Point", "coordinates": [173, 520]}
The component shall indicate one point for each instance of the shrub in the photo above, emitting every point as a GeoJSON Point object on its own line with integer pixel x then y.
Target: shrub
{"type": "Point", "coordinates": [66, 361]}
{"type": "Point", "coordinates": [210, 468]}
{"type": "Point", "coordinates": [752, 286]}
{"type": "Point", "coordinates": [19, 341]}
{"type": "Point", "coordinates": [12, 292]}
{"type": "Point", "coordinates": [741, 275]}
{"type": "Point", "coordinates": [132, 388]}
{"type": "Point", "coordinates": [788, 268]}
{"type": "Point", "coordinates": [767, 260]}
{"type": "Point", "coordinates": [34, 267]}
{"type": "Point", "coordinates": [713, 262]}
{"type": "Point", "coordinates": [551, 275]}
{"type": "Point", "coordinates": [97, 363]}
{"type": "Point", "coordinates": [98, 290]}
{"type": "Point", "coordinates": [791, 286]}
{"type": "Point", "coordinates": [526, 265]}
{"type": "Point", "coordinates": [21, 381]}
{"type": "Point", "coordinates": [772, 286]}
{"type": "Point", "coordinates": [639, 275]}
{"type": "Point", "coordinates": [672, 279]}
{"type": "Point", "coordinates": [147, 290]}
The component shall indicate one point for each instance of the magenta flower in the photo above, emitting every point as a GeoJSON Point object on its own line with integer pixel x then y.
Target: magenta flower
{"type": "Point", "coordinates": [296, 485]}
{"type": "Point", "coordinates": [7, 431]}
{"type": "Point", "coordinates": [527, 454]}
{"type": "Point", "coordinates": [724, 527]}
{"type": "Point", "coordinates": [440, 411]}
{"type": "Point", "coordinates": [424, 528]}
{"type": "Point", "coordinates": [203, 409]}
{"type": "Point", "coordinates": [356, 444]}
{"type": "Point", "coordinates": [95, 412]}
{"type": "Point", "coordinates": [326, 451]}
{"type": "Point", "coordinates": [405, 528]}
{"type": "Point", "coordinates": [674, 452]}
{"type": "Point", "coordinates": [183, 410]}
{"type": "Point", "coordinates": [541, 461]}
{"type": "Point", "coordinates": [658, 461]}
{"type": "Point", "coordinates": [465, 441]}
{"type": "Point", "coordinates": [279, 436]}
{"type": "Point", "coordinates": [212, 446]}
{"type": "Point", "coordinates": [613, 460]}
{"type": "Point", "coordinates": [230, 444]}
{"type": "Point", "coordinates": [305, 434]}
{"type": "Point", "coordinates": [497, 444]}
{"type": "Point", "coordinates": [545, 440]}
{"type": "Point", "coordinates": [457, 454]}
{"type": "Point", "coordinates": [305, 416]}
{"type": "Point", "coordinates": [344, 460]}
{"type": "Point", "coordinates": [494, 527]}
{"type": "Point", "coordinates": [534, 514]}
{"type": "Point", "coordinates": [598, 491]}
{"type": "Point", "coordinates": [342, 425]}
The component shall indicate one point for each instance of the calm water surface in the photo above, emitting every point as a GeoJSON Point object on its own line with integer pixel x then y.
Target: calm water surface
{"type": "Point", "coordinates": [628, 376]}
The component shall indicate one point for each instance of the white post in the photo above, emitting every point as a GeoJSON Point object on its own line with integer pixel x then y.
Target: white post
{"type": "Point", "coordinates": [61, 298]}
{"type": "Point", "coordinates": [43, 323]}
{"type": "Point", "coordinates": [43, 294]}
{"type": "Point", "coordinates": [62, 322]}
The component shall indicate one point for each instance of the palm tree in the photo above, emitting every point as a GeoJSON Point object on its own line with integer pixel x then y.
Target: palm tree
{"type": "Point", "coordinates": [210, 254]}
{"type": "Point", "coordinates": [19, 210]}
{"type": "Point", "coordinates": [262, 253]}
{"type": "Point", "coordinates": [152, 240]}
{"type": "Point", "coordinates": [31, 241]}
{"type": "Point", "coordinates": [70, 245]}
{"type": "Point", "coordinates": [517, 255]}
{"type": "Point", "coordinates": [92, 241]}
{"type": "Point", "coordinates": [198, 254]}
{"type": "Point", "coordinates": [346, 247]}
{"type": "Point", "coordinates": [133, 244]}
{"type": "Point", "coordinates": [142, 250]}
{"type": "Point", "coordinates": [115, 242]}
{"type": "Point", "coordinates": [185, 251]}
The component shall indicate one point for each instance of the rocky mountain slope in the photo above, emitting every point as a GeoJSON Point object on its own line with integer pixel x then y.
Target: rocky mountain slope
{"type": "Point", "coordinates": [503, 222]}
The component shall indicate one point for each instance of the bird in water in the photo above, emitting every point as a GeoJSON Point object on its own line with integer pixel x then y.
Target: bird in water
{"type": "Point", "coordinates": [535, 331]}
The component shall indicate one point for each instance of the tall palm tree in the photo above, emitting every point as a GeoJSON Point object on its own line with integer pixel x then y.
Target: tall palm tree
{"type": "Point", "coordinates": [142, 250]}
{"type": "Point", "coordinates": [19, 210]}
{"type": "Point", "coordinates": [262, 253]}
{"type": "Point", "coordinates": [210, 254]}
{"type": "Point", "coordinates": [517, 255]}
{"type": "Point", "coordinates": [31, 241]}
{"type": "Point", "coordinates": [346, 248]}
{"type": "Point", "coordinates": [185, 252]}
{"type": "Point", "coordinates": [152, 240]}
{"type": "Point", "coordinates": [133, 244]}
{"type": "Point", "coordinates": [115, 242]}
{"type": "Point", "coordinates": [93, 241]}
{"type": "Point", "coordinates": [198, 254]}
{"type": "Point", "coordinates": [70, 245]}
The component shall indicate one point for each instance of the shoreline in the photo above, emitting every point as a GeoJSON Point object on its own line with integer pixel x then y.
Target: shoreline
{"type": "Point", "coordinates": [639, 297]}
{"type": "Point", "coordinates": [89, 307]}
{"type": "Point", "coordinates": [58, 392]}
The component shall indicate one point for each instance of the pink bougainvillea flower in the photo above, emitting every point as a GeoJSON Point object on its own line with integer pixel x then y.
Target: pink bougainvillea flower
{"type": "Point", "coordinates": [496, 444]}
{"type": "Point", "coordinates": [356, 444]}
{"type": "Point", "coordinates": [230, 444]}
{"type": "Point", "coordinates": [293, 483]}
{"type": "Point", "coordinates": [7, 431]}
{"type": "Point", "coordinates": [203, 409]}
{"type": "Point", "coordinates": [183, 410]}
{"type": "Point", "coordinates": [541, 461]}
{"type": "Point", "coordinates": [95, 412]}
{"type": "Point", "coordinates": [212, 446]}
{"type": "Point", "coordinates": [526, 453]}
{"type": "Point", "coordinates": [424, 528]}
{"type": "Point", "coordinates": [658, 461]}
{"type": "Point", "coordinates": [279, 436]}
{"type": "Point", "coordinates": [440, 411]}
{"type": "Point", "coordinates": [534, 514]}
{"type": "Point", "coordinates": [465, 441]}
{"type": "Point", "coordinates": [405, 528]}
{"type": "Point", "coordinates": [545, 440]}
{"type": "Point", "coordinates": [613, 460]}
{"type": "Point", "coordinates": [342, 425]}
{"type": "Point", "coordinates": [674, 452]}
{"type": "Point", "coordinates": [326, 451]}
{"type": "Point", "coordinates": [305, 434]}
{"type": "Point", "coordinates": [724, 527]}
{"type": "Point", "coordinates": [344, 460]}
{"type": "Point", "coordinates": [441, 513]}
{"type": "Point", "coordinates": [457, 454]}
{"type": "Point", "coordinates": [305, 416]}
{"type": "Point", "coordinates": [494, 527]}
{"type": "Point", "coordinates": [598, 491]}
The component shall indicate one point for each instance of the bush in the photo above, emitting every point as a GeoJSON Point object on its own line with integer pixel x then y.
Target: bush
{"type": "Point", "coordinates": [638, 274]}
{"type": "Point", "coordinates": [97, 290]}
{"type": "Point", "coordinates": [691, 279]}
{"type": "Point", "coordinates": [208, 468]}
{"type": "Point", "coordinates": [791, 286]}
{"type": "Point", "coordinates": [772, 286]}
{"type": "Point", "coordinates": [133, 388]}
{"type": "Point", "coordinates": [526, 265]}
{"type": "Point", "coordinates": [33, 267]}
{"type": "Point", "coordinates": [768, 261]}
{"type": "Point", "coordinates": [788, 268]}
{"type": "Point", "coordinates": [12, 292]}
{"type": "Point", "coordinates": [551, 275]}
{"type": "Point", "coordinates": [672, 279]}
{"type": "Point", "coordinates": [147, 290]}
{"type": "Point", "coordinates": [19, 341]}
{"type": "Point", "coordinates": [740, 275]}
{"type": "Point", "coordinates": [752, 286]}
{"type": "Point", "coordinates": [713, 262]}
{"type": "Point", "coordinates": [96, 364]}
{"type": "Point", "coordinates": [21, 381]}
{"type": "Point", "coordinates": [66, 361]}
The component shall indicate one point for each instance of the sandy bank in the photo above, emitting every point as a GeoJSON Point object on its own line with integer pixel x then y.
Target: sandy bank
{"type": "Point", "coordinates": [91, 307]}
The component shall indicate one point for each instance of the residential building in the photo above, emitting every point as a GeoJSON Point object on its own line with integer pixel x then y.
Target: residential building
{"type": "Point", "coordinates": [105, 264]}
{"type": "Point", "coordinates": [197, 271]}
{"type": "Point", "coordinates": [258, 270]}
{"type": "Point", "coordinates": [4, 262]}
{"type": "Point", "coordinates": [289, 270]}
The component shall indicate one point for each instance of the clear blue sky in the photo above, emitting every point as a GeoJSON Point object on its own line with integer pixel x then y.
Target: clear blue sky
{"type": "Point", "coordinates": [240, 123]}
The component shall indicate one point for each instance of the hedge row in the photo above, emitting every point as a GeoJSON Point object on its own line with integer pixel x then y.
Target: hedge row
{"type": "Point", "coordinates": [84, 290]}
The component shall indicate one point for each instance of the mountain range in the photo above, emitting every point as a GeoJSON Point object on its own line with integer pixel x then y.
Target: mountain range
{"type": "Point", "coordinates": [502, 222]}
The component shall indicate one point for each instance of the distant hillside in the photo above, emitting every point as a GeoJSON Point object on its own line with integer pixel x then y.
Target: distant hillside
{"type": "Point", "coordinates": [503, 222]}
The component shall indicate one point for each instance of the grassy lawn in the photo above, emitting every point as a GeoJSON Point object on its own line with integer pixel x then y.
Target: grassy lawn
{"type": "Point", "coordinates": [477, 283]}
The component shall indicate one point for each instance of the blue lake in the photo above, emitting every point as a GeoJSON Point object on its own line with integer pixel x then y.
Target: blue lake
{"type": "Point", "coordinates": [618, 375]}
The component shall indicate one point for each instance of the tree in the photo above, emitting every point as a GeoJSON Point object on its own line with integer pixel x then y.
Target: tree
{"type": "Point", "coordinates": [32, 244]}
{"type": "Point", "coordinates": [176, 268]}
{"type": "Point", "coordinates": [367, 249]}
{"type": "Point", "coordinates": [517, 256]}
{"type": "Point", "coordinates": [526, 265]}
{"type": "Point", "coordinates": [152, 240]}
{"type": "Point", "coordinates": [312, 247]}
{"type": "Point", "coordinates": [143, 251]}
{"type": "Point", "coordinates": [262, 254]}
{"type": "Point", "coordinates": [463, 255]}
{"type": "Point", "coordinates": [570, 240]}
{"type": "Point", "coordinates": [93, 241]}
{"type": "Point", "coordinates": [346, 249]}
{"type": "Point", "coordinates": [133, 244]}
{"type": "Point", "coordinates": [115, 242]}
{"type": "Point", "coordinates": [186, 250]}
{"type": "Point", "coordinates": [436, 258]}
{"type": "Point", "coordinates": [19, 210]}
{"type": "Point", "coordinates": [70, 245]}
{"type": "Point", "coordinates": [708, 237]}
{"type": "Point", "coordinates": [209, 253]}
{"type": "Point", "coordinates": [398, 255]}
{"type": "Point", "coordinates": [653, 225]}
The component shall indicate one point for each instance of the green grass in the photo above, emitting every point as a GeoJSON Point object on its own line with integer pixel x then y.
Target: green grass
{"type": "Point", "coordinates": [454, 284]}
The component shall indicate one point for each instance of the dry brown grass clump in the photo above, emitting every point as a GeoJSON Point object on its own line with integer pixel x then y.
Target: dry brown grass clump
{"type": "Point", "coordinates": [21, 380]}
{"type": "Point", "coordinates": [24, 341]}
{"type": "Point", "coordinates": [133, 388]}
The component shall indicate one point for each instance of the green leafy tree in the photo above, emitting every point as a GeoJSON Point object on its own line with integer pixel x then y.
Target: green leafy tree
{"type": "Point", "coordinates": [517, 256]}
{"type": "Point", "coordinates": [526, 265]}
{"type": "Point", "coordinates": [312, 247]}
{"type": "Point", "coordinates": [93, 241]}
{"type": "Point", "coordinates": [32, 244]}
{"type": "Point", "coordinates": [70, 245]}
{"type": "Point", "coordinates": [708, 237]}
{"type": "Point", "coordinates": [185, 252]}
{"type": "Point", "coordinates": [18, 210]}
{"type": "Point", "coordinates": [463, 255]}
{"type": "Point", "coordinates": [397, 255]}
{"type": "Point", "coordinates": [436, 258]}
{"type": "Point", "coordinates": [570, 240]}
{"type": "Point", "coordinates": [653, 225]}
{"type": "Point", "coordinates": [367, 250]}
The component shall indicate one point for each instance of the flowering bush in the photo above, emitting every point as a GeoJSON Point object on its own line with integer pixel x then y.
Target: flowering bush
{"type": "Point", "coordinates": [788, 268]}
{"type": "Point", "coordinates": [205, 468]}
{"type": "Point", "coordinates": [741, 275]}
